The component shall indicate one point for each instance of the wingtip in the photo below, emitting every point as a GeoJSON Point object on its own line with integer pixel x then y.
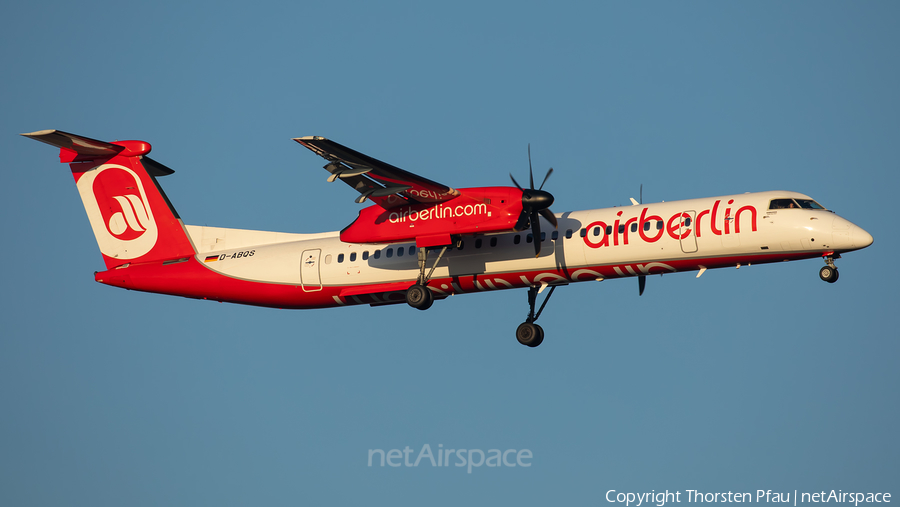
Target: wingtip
{"type": "Point", "coordinates": [38, 133]}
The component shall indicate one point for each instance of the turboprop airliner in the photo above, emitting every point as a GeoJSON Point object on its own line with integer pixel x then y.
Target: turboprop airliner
{"type": "Point", "coordinates": [421, 241]}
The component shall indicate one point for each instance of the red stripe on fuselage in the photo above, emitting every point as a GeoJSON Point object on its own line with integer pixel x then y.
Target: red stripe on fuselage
{"type": "Point", "coordinates": [192, 279]}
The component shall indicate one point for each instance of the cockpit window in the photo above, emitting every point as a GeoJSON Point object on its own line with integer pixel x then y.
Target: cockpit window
{"type": "Point", "coordinates": [809, 204]}
{"type": "Point", "coordinates": [794, 203]}
{"type": "Point", "coordinates": [783, 204]}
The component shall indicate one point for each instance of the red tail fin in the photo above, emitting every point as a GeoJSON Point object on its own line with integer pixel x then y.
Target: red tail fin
{"type": "Point", "coordinates": [132, 219]}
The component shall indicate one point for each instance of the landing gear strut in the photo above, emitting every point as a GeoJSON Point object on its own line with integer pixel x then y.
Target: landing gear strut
{"type": "Point", "coordinates": [419, 296]}
{"type": "Point", "coordinates": [528, 333]}
{"type": "Point", "coordinates": [829, 273]}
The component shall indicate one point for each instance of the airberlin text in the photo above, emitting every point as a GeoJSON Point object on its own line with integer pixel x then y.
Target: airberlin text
{"type": "Point", "coordinates": [440, 211]}
{"type": "Point", "coordinates": [660, 498]}
{"type": "Point", "coordinates": [679, 226]}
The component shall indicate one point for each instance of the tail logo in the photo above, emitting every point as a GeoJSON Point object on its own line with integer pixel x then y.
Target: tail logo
{"type": "Point", "coordinates": [119, 211]}
{"type": "Point", "coordinates": [133, 216]}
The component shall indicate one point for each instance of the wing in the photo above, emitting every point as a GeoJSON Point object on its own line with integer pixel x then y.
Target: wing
{"type": "Point", "coordinates": [386, 185]}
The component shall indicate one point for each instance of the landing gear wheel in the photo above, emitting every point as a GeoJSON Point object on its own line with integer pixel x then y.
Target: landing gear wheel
{"type": "Point", "coordinates": [828, 274]}
{"type": "Point", "coordinates": [420, 297]}
{"type": "Point", "coordinates": [529, 334]}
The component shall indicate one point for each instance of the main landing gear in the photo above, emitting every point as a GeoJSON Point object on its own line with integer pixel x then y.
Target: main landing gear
{"type": "Point", "coordinates": [829, 273]}
{"type": "Point", "coordinates": [419, 296]}
{"type": "Point", "coordinates": [528, 333]}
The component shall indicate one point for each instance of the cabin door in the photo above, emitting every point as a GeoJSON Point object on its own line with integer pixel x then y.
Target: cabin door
{"type": "Point", "coordinates": [309, 270]}
{"type": "Point", "coordinates": [685, 225]}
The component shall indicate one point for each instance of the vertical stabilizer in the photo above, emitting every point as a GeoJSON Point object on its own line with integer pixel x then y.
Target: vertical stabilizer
{"type": "Point", "coordinates": [132, 219]}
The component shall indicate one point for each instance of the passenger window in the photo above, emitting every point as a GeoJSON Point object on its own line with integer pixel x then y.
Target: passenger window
{"type": "Point", "coordinates": [543, 236]}
{"type": "Point", "coordinates": [328, 259]}
{"type": "Point", "coordinates": [494, 241]}
{"type": "Point", "coordinates": [352, 256]}
{"type": "Point", "coordinates": [377, 254]}
{"type": "Point", "coordinates": [596, 231]}
{"type": "Point", "coordinates": [583, 233]}
{"type": "Point", "coordinates": [659, 224]}
{"type": "Point", "coordinates": [687, 222]}
{"type": "Point", "coordinates": [554, 236]}
{"type": "Point", "coordinates": [621, 228]}
{"type": "Point", "coordinates": [569, 234]}
{"type": "Point", "coordinates": [633, 227]}
{"type": "Point", "coordinates": [608, 230]}
{"type": "Point", "coordinates": [389, 253]}
{"type": "Point", "coordinates": [400, 252]}
{"type": "Point", "coordinates": [529, 238]}
{"type": "Point", "coordinates": [340, 258]}
{"type": "Point", "coordinates": [517, 239]}
{"type": "Point", "coordinates": [478, 243]}
{"type": "Point", "coordinates": [412, 250]}
{"type": "Point", "coordinates": [365, 254]}
{"type": "Point", "coordinates": [646, 226]}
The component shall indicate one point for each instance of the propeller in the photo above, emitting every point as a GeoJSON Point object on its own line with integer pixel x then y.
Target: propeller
{"type": "Point", "coordinates": [535, 203]}
{"type": "Point", "coordinates": [642, 279]}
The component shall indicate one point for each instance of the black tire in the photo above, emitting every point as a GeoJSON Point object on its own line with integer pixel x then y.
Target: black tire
{"type": "Point", "coordinates": [828, 274]}
{"type": "Point", "coordinates": [529, 334]}
{"type": "Point", "coordinates": [419, 297]}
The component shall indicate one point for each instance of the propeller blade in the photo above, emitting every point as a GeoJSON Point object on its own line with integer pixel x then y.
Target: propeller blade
{"type": "Point", "coordinates": [545, 178]}
{"type": "Point", "coordinates": [530, 172]}
{"type": "Point", "coordinates": [642, 282]}
{"type": "Point", "coordinates": [516, 183]}
{"type": "Point", "coordinates": [535, 204]}
{"type": "Point", "coordinates": [548, 215]}
{"type": "Point", "coordinates": [522, 223]}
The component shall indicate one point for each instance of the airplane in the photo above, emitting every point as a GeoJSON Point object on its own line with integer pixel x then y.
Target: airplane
{"type": "Point", "coordinates": [421, 241]}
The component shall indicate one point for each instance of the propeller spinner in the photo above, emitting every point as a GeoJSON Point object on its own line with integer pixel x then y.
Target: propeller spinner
{"type": "Point", "coordinates": [535, 203]}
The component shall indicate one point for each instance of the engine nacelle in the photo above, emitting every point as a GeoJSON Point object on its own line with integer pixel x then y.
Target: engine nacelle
{"type": "Point", "coordinates": [475, 211]}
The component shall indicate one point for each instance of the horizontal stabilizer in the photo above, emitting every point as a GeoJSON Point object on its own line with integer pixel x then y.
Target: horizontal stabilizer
{"type": "Point", "coordinates": [80, 145]}
{"type": "Point", "coordinates": [75, 148]}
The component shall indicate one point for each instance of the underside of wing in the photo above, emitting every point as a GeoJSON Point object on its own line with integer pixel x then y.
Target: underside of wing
{"type": "Point", "coordinates": [384, 184]}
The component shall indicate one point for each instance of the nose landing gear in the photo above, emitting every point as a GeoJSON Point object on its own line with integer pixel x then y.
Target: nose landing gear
{"type": "Point", "coordinates": [528, 333]}
{"type": "Point", "coordinates": [829, 273]}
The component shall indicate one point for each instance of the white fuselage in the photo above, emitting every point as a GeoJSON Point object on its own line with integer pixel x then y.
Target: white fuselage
{"type": "Point", "coordinates": [588, 245]}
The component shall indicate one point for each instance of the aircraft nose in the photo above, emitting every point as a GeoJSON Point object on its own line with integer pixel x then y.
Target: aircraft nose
{"type": "Point", "coordinates": [848, 235]}
{"type": "Point", "coordinates": [860, 238]}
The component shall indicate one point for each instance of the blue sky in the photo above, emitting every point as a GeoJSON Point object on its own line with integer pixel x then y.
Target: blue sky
{"type": "Point", "coordinates": [758, 378]}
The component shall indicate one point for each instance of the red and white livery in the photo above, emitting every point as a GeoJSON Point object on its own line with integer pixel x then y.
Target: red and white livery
{"type": "Point", "coordinates": [421, 240]}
